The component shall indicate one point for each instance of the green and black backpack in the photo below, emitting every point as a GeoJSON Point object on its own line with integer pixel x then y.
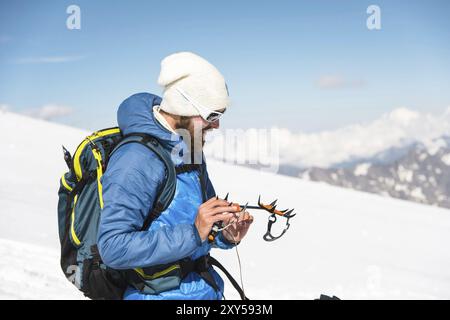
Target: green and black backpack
{"type": "Point", "coordinates": [80, 204]}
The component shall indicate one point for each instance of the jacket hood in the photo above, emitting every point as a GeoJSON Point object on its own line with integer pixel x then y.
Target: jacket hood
{"type": "Point", "coordinates": [135, 115]}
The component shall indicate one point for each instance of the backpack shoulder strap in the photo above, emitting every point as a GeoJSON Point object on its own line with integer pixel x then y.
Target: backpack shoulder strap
{"type": "Point", "coordinates": [168, 191]}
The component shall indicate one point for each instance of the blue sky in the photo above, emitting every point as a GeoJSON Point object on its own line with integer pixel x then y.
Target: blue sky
{"type": "Point", "coordinates": [277, 57]}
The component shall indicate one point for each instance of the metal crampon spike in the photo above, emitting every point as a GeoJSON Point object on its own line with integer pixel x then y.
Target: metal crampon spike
{"type": "Point", "coordinates": [288, 214]}
{"type": "Point", "coordinates": [271, 208]}
{"type": "Point", "coordinates": [226, 197]}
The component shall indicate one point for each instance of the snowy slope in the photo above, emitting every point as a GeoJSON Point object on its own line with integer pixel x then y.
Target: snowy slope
{"type": "Point", "coordinates": [31, 164]}
{"type": "Point", "coordinates": [29, 245]}
{"type": "Point", "coordinates": [28, 271]}
{"type": "Point", "coordinates": [343, 242]}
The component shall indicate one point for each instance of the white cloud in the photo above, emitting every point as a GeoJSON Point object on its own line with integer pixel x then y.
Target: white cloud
{"type": "Point", "coordinates": [338, 82]}
{"type": "Point", "coordinates": [397, 128]}
{"type": "Point", "coordinates": [48, 112]}
{"type": "Point", "coordinates": [50, 59]}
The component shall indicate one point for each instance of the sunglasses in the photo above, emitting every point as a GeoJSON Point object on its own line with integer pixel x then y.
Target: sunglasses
{"type": "Point", "coordinates": [207, 114]}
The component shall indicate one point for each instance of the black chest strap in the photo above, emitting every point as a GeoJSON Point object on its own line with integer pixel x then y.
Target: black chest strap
{"type": "Point", "coordinates": [187, 168]}
{"type": "Point", "coordinates": [202, 265]}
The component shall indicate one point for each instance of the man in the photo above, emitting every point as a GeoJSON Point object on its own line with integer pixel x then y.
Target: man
{"type": "Point", "coordinates": [195, 96]}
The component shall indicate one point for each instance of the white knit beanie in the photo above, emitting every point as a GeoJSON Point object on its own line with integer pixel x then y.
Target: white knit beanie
{"type": "Point", "coordinates": [197, 78]}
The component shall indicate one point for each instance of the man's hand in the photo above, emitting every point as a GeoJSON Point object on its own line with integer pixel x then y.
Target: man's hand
{"type": "Point", "coordinates": [238, 229]}
{"type": "Point", "coordinates": [210, 212]}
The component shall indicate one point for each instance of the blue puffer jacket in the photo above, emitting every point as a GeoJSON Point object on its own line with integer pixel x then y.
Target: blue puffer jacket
{"type": "Point", "coordinates": [130, 186]}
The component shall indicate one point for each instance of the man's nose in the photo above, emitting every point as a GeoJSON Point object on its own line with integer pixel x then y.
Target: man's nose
{"type": "Point", "coordinates": [215, 124]}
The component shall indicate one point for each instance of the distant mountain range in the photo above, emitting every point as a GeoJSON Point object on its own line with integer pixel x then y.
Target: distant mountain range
{"type": "Point", "coordinates": [416, 173]}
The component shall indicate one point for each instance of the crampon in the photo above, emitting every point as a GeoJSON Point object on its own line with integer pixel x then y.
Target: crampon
{"type": "Point", "coordinates": [274, 212]}
{"type": "Point", "coordinates": [271, 208]}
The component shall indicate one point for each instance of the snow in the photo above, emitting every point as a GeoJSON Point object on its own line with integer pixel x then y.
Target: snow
{"type": "Point", "coordinates": [401, 187]}
{"type": "Point", "coordinates": [423, 156]}
{"type": "Point", "coordinates": [446, 159]}
{"type": "Point", "coordinates": [434, 146]}
{"type": "Point", "coordinates": [305, 175]}
{"type": "Point", "coordinates": [351, 244]}
{"type": "Point", "coordinates": [389, 182]}
{"type": "Point", "coordinates": [362, 169]}
{"type": "Point", "coordinates": [325, 247]}
{"type": "Point", "coordinates": [404, 174]}
{"type": "Point", "coordinates": [32, 272]}
{"type": "Point", "coordinates": [432, 181]}
{"type": "Point", "coordinates": [417, 193]}
{"type": "Point", "coordinates": [30, 173]}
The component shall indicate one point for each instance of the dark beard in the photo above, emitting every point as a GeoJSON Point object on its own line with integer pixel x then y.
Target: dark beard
{"type": "Point", "coordinates": [186, 123]}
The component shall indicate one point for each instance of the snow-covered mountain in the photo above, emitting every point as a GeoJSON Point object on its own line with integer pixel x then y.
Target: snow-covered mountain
{"type": "Point", "coordinates": [420, 174]}
{"type": "Point", "coordinates": [343, 242]}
